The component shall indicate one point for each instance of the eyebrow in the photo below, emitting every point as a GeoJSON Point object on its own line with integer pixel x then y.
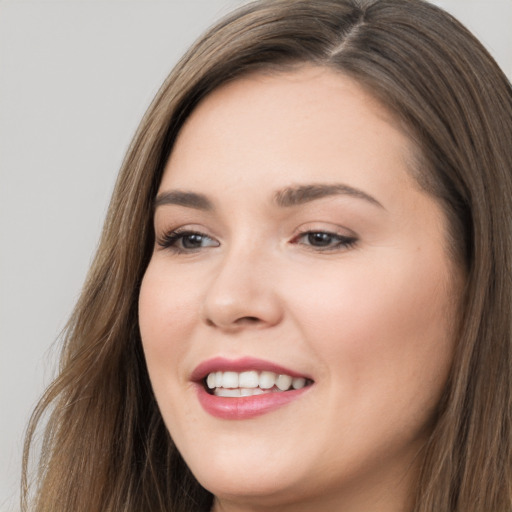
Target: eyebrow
{"type": "Point", "coordinates": [182, 198]}
{"type": "Point", "coordinates": [285, 198]}
{"type": "Point", "coordinates": [294, 196]}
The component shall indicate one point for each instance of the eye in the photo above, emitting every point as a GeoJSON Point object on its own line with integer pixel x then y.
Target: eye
{"type": "Point", "coordinates": [186, 241]}
{"type": "Point", "coordinates": [324, 240]}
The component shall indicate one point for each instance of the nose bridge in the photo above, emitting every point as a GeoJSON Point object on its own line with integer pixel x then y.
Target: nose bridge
{"type": "Point", "coordinates": [242, 291]}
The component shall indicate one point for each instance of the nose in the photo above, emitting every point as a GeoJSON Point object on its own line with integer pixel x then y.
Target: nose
{"type": "Point", "coordinates": [242, 293]}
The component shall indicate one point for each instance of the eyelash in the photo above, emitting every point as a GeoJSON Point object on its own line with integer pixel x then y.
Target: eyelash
{"type": "Point", "coordinates": [172, 239]}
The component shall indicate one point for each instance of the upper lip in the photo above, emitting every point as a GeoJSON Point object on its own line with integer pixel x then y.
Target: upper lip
{"type": "Point", "coordinates": [242, 364]}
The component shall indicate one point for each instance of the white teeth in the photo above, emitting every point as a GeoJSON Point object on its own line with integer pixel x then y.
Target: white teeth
{"type": "Point", "coordinates": [284, 382]}
{"type": "Point", "coordinates": [227, 392]}
{"type": "Point", "coordinates": [230, 380]}
{"type": "Point", "coordinates": [231, 393]}
{"type": "Point", "coordinates": [298, 382]}
{"type": "Point", "coordinates": [251, 391]}
{"type": "Point", "coordinates": [267, 380]}
{"type": "Point", "coordinates": [248, 379]}
{"type": "Point", "coordinates": [249, 383]}
{"type": "Point", "coordinates": [210, 380]}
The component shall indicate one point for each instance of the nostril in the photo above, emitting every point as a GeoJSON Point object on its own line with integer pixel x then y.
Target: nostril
{"type": "Point", "coordinates": [244, 320]}
{"type": "Point", "coordinates": [248, 320]}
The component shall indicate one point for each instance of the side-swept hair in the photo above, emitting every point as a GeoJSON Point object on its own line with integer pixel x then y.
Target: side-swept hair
{"type": "Point", "coordinates": [105, 445]}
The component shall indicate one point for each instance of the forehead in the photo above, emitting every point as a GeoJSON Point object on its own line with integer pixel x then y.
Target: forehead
{"type": "Point", "coordinates": [309, 120]}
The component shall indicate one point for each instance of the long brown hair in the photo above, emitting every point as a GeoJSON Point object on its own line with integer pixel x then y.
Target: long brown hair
{"type": "Point", "coordinates": [105, 445]}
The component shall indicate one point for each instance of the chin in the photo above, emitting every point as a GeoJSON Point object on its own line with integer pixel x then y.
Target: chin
{"type": "Point", "coordinates": [250, 488]}
{"type": "Point", "coordinates": [265, 479]}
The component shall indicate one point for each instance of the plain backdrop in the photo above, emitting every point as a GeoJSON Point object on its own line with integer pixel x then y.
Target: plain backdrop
{"type": "Point", "coordinates": [75, 79]}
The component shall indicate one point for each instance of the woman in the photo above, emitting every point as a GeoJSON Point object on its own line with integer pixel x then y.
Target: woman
{"type": "Point", "coordinates": [301, 299]}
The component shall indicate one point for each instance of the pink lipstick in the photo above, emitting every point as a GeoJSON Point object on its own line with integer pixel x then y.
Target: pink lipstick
{"type": "Point", "coordinates": [246, 387]}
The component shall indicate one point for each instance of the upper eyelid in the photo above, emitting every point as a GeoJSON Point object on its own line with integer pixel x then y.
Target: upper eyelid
{"type": "Point", "coordinates": [323, 227]}
{"type": "Point", "coordinates": [186, 229]}
{"type": "Point", "coordinates": [183, 229]}
{"type": "Point", "coordinates": [182, 232]}
{"type": "Point", "coordinates": [326, 232]}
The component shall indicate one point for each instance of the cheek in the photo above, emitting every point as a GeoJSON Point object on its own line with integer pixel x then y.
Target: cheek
{"type": "Point", "coordinates": [383, 326]}
{"type": "Point", "coordinates": [167, 312]}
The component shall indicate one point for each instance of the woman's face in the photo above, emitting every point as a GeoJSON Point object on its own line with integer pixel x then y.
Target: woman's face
{"type": "Point", "coordinates": [291, 239]}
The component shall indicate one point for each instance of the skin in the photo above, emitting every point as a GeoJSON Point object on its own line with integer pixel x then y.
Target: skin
{"type": "Point", "coordinates": [370, 322]}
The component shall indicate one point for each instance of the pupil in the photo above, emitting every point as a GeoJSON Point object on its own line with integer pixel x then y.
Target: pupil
{"type": "Point", "coordinates": [192, 241]}
{"type": "Point", "coordinates": [319, 239]}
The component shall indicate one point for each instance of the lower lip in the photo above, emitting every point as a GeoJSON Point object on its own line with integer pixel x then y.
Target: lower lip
{"type": "Point", "coordinates": [247, 406]}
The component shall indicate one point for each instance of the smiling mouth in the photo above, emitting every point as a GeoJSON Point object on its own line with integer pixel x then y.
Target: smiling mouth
{"type": "Point", "coordinates": [250, 383]}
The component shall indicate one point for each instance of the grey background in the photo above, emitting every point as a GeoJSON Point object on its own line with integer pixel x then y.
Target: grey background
{"type": "Point", "coordinates": [75, 79]}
